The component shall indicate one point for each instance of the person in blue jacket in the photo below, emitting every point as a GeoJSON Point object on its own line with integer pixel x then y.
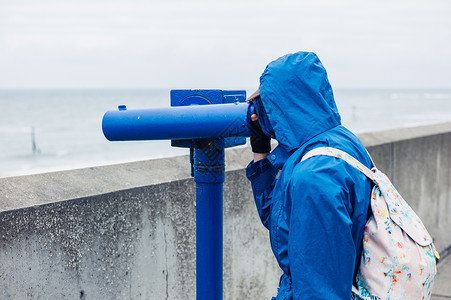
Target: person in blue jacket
{"type": "Point", "coordinates": [315, 210]}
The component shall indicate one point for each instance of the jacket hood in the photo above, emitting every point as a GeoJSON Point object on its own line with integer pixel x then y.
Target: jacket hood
{"type": "Point", "coordinates": [297, 98]}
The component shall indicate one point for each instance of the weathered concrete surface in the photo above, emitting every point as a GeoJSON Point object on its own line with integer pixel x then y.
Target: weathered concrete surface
{"type": "Point", "coordinates": [130, 244]}
{"type": "Point", "coordinates": [128, 231]}
{"type": "Point", "coordinates": [442, 287]}
{"type": "Point", "coordinates": [124, 232]}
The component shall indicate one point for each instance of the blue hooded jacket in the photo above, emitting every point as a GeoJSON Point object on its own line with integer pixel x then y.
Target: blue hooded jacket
{"type": "Point", "coordinates": [316, 210]}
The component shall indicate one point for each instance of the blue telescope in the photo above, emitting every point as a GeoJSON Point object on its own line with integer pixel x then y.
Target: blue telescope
{"type": "Point", "coordinates": [176, 123]}
{"type": "Point", "coordinates": [207, 122]}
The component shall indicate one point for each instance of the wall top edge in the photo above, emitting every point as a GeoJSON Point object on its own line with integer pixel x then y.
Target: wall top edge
{"type": "Point", "coordinates": [40, 189]}
{"type": "Point", "coordinates": [402, 134]}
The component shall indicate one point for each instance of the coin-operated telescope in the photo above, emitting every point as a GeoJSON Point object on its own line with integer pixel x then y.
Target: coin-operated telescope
{"type": "Point", "coordinates": [206, 122]}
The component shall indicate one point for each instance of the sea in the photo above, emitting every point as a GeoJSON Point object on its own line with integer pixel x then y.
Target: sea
{"type": "Point", "coordinates": [52, 130]}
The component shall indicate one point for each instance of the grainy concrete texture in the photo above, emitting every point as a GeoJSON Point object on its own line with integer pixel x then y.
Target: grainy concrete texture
{"type": "Point", "coordinates": [442, 287]}
{"type": "Point", "coordinates": [128, 231]}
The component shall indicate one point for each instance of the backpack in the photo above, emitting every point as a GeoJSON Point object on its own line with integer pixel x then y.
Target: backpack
{"type": "Point", "coordinates": [399, 258]}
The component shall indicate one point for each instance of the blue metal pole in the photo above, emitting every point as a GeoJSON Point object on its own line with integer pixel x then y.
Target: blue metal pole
{"type": "Point", "coordinates": [209, 170]}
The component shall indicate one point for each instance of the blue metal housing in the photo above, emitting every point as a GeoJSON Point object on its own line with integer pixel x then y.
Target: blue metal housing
{"type": "Point", "coordinates": [206, 97]}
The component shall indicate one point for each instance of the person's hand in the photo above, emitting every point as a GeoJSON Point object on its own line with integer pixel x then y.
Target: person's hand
{"type": "Point", "coordinates": [260, 142]}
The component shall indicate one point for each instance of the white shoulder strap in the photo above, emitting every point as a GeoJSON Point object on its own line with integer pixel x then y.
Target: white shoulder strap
{"type": "Point", "coordinates": [329, 151]}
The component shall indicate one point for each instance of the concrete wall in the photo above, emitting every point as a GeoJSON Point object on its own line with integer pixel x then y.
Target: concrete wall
{"type": "Point", "coordinates": [128, 231]}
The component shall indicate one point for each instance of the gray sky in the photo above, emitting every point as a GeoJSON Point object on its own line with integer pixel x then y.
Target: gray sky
{"type": "Point", "coordinates": [220, 44]}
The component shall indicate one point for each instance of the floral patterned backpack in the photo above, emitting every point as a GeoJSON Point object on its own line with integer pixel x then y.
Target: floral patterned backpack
{"type": "Point", "coordinates": [398, 258]}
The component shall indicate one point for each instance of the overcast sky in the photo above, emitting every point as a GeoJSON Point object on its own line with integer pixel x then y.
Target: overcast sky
{"type": "Point", "coordinates": [221, 44]}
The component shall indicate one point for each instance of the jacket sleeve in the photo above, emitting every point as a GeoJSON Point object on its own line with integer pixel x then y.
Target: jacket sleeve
{"type": "Point", "coordinates": [262, 175]}
{"type": "Point", "coordinates": [321, 248]}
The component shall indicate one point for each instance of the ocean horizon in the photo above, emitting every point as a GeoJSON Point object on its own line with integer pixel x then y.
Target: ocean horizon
{"type": "Point", "coordinates": [51, 130]}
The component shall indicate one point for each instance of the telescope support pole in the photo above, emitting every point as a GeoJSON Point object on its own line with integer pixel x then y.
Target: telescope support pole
{"type": "Point", "coordinates": [209, 170]}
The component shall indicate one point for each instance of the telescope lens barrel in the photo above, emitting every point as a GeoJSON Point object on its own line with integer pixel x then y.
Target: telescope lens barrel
{"type": "Point", "coordinates": [177, 122]}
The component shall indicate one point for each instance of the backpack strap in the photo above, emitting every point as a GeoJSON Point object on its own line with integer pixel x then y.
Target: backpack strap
{"type": "Point", "coordinates": [329, 151]}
